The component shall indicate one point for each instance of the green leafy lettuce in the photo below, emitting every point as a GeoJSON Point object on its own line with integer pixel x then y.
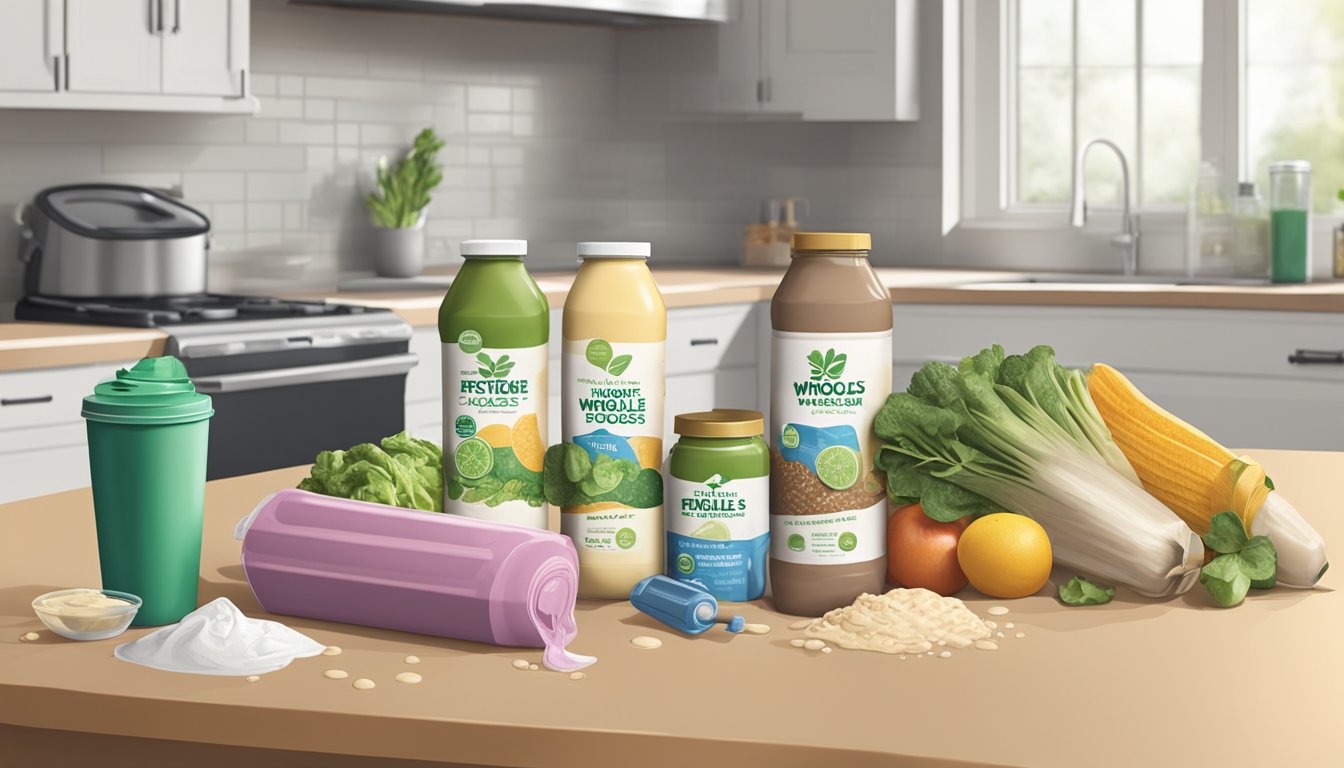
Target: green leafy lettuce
{"type": "Point", "coordinates": [1080, 591]}
{"type": "Point", "coordinates": [571, 478]}
{"type": "Point", "coordinates": [1243, 562]}
{"type": "Point", "coordinates": [402, 471]}
{"type": "Point", "coordinates": [1021, 434]}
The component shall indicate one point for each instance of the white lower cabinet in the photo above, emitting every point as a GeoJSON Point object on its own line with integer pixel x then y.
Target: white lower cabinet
{"type": "Point", "coordinates": [43, 442]}
{"type": "Point", "coordinates": [1225, 371]}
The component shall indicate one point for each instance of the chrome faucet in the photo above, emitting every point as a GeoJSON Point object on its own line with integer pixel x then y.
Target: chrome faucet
{"type": "Point", "coordinates": [1128, 239]}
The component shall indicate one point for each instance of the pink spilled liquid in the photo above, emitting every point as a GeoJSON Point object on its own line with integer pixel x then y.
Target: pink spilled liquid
{"type": "Point", "coordinates": [554, 620]}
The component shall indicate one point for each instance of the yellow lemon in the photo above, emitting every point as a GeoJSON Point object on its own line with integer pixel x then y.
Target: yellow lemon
{"type": "Point", "coordinates": [527, 443]}
{"type": "Point", "coordinates": [1005, 555]}
{"type": "Point", "coordinates": [648, 451]}
{"type": "Point", "coordinates": [497, 435]}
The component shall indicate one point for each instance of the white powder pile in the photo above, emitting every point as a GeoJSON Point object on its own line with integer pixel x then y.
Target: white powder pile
{"type": "Point", "coordinates": [901, 621]}
{"type": "Point", "coordinates": [217, 639]}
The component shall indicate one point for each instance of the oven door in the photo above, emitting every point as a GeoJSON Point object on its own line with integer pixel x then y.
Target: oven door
{"type": "Point", "coordinates": [282, 417]}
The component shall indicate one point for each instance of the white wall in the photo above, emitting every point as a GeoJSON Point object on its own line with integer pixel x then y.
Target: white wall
{"type": "Point", "coordinates": [537, 148]}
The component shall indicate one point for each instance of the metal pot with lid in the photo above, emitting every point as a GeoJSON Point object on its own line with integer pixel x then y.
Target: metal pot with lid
{"type": "Point", "coordinates": [112, 240]}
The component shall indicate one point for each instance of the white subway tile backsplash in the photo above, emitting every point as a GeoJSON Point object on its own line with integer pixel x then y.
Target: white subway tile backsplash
{"type": "Point", "coordinates": [228, 217]}
{"type": "Point", "coordinates": [319, 109]}
{"type": "Point", "coordinates": [265, 216]}
{"type": "Point", "coordinates": [307, 133]}
{"type": "Point", "coordinates": [290, 85]}
{"type": "Point", "coordinates": [347, 134]}
{"type": "Point", "coordinates": [262, 84]}
{"type": "Point", "coordinates": [488, 98]}
{"type": "Point", "coordinates": [295, 216]}
{"type": "Point", "coordinates": [190, 157]}
{"type": "Point", "coordinates": [489, 124]}
{"type": "Point", "coordinates": [396, 67]}
{"type": "Point", "coordinates": [212, 187]}
{"type": "Point", "coordinates": [263, 131]}
{"type": "Point", "coordinates": [277, 186]}
{"type": "Point", "coordinates": [355, 110]}
{"type": "Point", "coordinates": [280, 108]}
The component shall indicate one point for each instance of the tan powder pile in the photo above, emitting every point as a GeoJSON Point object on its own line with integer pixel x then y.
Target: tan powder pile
{"type": "Point", "coordinates": [901, 621]}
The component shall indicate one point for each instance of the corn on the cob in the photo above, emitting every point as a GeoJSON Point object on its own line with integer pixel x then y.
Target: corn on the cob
{"type": "Point", "coordinates": [1197, 478]}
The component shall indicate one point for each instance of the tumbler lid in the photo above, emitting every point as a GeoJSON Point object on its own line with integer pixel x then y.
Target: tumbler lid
{"type": "Point", "coordinates": [155, 390]}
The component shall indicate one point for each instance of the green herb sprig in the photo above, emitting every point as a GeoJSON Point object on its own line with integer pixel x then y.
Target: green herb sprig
{"type": "Point", "coordinates": [403, 189]}
{"type": "Point", "coordinates": [1080, 591]}
{"type": "Point", "coordinates": [1243, 562]}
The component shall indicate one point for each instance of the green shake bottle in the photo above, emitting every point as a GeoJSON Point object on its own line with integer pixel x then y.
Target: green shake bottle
{"type": "Point", "coordinates": [494, 323]}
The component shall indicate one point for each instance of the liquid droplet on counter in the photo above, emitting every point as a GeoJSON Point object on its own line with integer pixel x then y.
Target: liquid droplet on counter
{"type": "Point", "coordinates": [520, 664]}
{"type": "Point", "coordinates": [945, 655]}
{"type": "Point", "coordinates": [364, 684]}
{"type": "Point", "coordinates": [997, 610]}
{"type": "Point", "coordinates": [796, 642]}
{"type": "Point", "coordinates": [827, 649]}
{"type": "Point", "coordinates": [533, 667]}
{"type": "Point", "coordinates": [332, 650]}
{"type": "Point", "coordinates": [814, 644]}
{"type": "Point", "coordinates": [412, 659]}
{"type": "Point", "coordinates": [254, 678]}
{"type": "Point", "coordinates": [29, 637]}
{"type": "Point", "coordinates": [756, 629]}
{"type": "Point", "coordinates": [986, 645]}
{"type": "Point", "coordinates": [804, 624]}
{"type": "Point", "coordinates": [576, 675]}
{"type": "Point", "coordinates": [1009, 625]}
{"type": "Point", "coordinates": [1020, 635]}
{"type": "Point", "coordinates": [410, 678]}
{"type": "Point", "coordinates": [335, 674]}
{"type": "Point", "coordinates": [646, 643]}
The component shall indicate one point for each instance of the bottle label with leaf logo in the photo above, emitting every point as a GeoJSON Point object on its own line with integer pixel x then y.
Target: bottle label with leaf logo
{"type": "Point", "coordinates": [494, 430]}
{"type": "Point", "coordinates": [827, 502]}
{"type": "Point", "coordinates": [611, 489]}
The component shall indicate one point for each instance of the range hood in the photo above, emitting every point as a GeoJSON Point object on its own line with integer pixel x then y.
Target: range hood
{"type": "Point", "coordinates": [616, 12]}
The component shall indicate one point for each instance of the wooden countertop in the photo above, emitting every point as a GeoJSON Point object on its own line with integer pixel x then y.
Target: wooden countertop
{"type": "Point", "coordinates": [1135, 682]}
{"type": "Point", "coordinates": [25, 345]}
{"type": "Point", "coordinates": [41, 345]}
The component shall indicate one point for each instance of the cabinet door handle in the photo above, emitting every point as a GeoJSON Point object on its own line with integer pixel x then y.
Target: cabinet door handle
{"type": "Point", "coordinates": [177, 16]}
{"type": "Point", "coordinates": [151, 5]}
{"type": "Point", "coordinates": [704, 342]}
{"type": "Point", "coordinates": [160, 4]}
{"type": "Point", "coordinates": [34, 400]}
{"type": "Point", "coordinates": [56, 70]}
{"type": "Point", "coordinates": [1317, 357]}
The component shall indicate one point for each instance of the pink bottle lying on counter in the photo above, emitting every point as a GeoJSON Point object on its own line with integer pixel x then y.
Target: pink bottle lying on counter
{"type": "Point", "coordinates": [334, 559]}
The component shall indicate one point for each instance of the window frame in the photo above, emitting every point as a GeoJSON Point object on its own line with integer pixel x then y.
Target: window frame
{"type": "Point", "coordinates": [985, 129]}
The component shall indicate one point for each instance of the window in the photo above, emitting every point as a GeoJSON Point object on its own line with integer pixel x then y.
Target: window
{"type": "Point", "coordinates": [1125, 70]}
{"type": "Point", "coordinates": [1294, 85]}
{"type": "Point", "coordinates": [1172, 82]}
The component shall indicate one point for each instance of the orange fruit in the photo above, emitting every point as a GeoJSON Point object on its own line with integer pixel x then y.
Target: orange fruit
{"type": "Point", "coordinates": [1005, 555]}
{"type": "Point", "coordinates": [527, 443]}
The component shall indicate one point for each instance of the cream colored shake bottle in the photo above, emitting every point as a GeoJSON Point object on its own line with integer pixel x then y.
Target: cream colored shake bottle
{"type": "Point", "coordinates": [607, 474]}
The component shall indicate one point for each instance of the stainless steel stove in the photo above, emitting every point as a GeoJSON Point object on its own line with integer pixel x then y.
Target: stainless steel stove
{"type": "Point", "coordinates": [288, 378]}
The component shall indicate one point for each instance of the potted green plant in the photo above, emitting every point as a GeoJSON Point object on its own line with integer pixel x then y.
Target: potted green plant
{"type": "Point", "coordinates": [398, 207]}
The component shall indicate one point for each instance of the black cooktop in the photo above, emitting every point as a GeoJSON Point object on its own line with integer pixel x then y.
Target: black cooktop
{"type": "Point", "coordinates": [174, 310]}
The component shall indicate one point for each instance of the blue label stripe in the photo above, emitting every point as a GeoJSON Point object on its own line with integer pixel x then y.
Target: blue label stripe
{"type": "Point", "coordinates": [729, 570]}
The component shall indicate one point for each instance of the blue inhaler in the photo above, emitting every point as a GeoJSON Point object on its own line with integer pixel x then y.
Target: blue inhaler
{"type": "Point", "coordinates": [680, 605]}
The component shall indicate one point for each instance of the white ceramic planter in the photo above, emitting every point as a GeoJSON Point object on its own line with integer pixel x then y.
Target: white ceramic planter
{"type": "Point", "coordinates": [398, 252]}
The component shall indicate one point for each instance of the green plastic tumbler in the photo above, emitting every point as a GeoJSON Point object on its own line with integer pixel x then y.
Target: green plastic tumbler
{"type": "Point", "coordinates": [148, 431]}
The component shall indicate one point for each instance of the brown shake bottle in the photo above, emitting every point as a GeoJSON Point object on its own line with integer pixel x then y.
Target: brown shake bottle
{"type": "Point", "coordinates": [830, 369]}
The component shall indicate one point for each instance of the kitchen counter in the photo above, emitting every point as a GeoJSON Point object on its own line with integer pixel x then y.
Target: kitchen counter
{"type": "Point", "coordinates": [703, 286]}
{"type": "Point", "coordinates": [1134, 682]}
{"type": "Point", "coordinates": [38, 345]}
{"type": "Point", "coordinates": [48, 345]}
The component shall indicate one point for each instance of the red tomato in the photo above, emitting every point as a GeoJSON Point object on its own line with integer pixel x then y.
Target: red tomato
{"type": "Point", "coordinates": [922, 552]}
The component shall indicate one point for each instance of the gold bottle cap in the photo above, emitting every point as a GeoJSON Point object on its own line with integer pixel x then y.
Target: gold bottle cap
{"type": "Point", "coordinates": [832, 241]}
{"type": "Point", "coordinates": [720, 422]}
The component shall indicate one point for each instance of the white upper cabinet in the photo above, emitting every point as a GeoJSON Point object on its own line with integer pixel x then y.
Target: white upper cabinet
{"type": "Point", "coordinates": [151, 55]}
{"type": "Point", "coordinates": [113, 46]}
{"type": "Point", "coordinates": [31, 45]}
{"type": "Point", "coordinates": [205, 47]}
{"type": "Point", "coordinates": [785, 59]}
{"type": "Point", "coordinates": [842, 59]}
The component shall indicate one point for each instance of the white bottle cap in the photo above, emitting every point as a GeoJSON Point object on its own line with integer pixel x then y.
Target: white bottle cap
{"type": "Point", "coordinates": [494, 248]}
{"type": "Point", "coordinates": [614, 250]}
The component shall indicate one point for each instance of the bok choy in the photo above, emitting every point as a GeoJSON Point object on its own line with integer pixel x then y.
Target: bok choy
{"type": "Point", "coordinates": [1020, 434]}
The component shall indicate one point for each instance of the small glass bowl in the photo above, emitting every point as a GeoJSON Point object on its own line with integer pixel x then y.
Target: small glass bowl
{"type": "Point", "coordinates": [97, 625]}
